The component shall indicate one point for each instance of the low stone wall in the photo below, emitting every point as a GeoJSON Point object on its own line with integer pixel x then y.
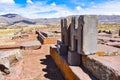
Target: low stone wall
{"type": "Point", "coordinates": [40, 37]}
{"type": "Point", "coordinates": [46, 40]}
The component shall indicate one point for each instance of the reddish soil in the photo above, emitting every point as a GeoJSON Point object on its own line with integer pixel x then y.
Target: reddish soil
{"type": "Point", "coordinates": [37, 64]}
{"type": "Point", "coordinates": [31, 37]}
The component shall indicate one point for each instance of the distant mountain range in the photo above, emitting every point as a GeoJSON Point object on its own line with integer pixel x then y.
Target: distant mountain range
{"type": "Point", "coordinates": [15, 19]}
{"type": "Point", "coordinates": [109, 19]}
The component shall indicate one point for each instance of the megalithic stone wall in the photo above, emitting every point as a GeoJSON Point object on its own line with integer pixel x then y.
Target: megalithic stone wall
{"type": "Point", "coordinates": [80, 33]}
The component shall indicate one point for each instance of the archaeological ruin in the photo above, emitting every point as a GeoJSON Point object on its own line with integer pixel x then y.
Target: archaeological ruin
{"type": "Point", "coordinates": [47, 37]}
{"type": "Point", "coordinates": [77, 54]}
{"type": "Point", "coordinates": [75, 50]}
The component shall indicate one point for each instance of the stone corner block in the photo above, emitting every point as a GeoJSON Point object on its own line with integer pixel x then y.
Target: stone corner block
{"type": "Point", "coordinates": [74, 58]}
{"type": "Point", "coordinates": [62, 49]}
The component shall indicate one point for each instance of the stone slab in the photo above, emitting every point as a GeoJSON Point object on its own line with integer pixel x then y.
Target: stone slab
{"type": "Point", "coordinates": [106, 48]}
{"type": "Point", "coordinates": [117, 44]}
{"type": "Point", "coordinates": [17, 52]}
{"type": "Point", "coordinates": [109, 39]}
{"type": "Point", "coordinates": [31, 45]}
{"type": "Point", "coordinates": [103, 67]}
{"type": "Point", "coordinates": [9, 57]}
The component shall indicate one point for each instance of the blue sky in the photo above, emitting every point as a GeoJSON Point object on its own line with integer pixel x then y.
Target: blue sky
{"type": "Point", "coordinates": [59, 8]}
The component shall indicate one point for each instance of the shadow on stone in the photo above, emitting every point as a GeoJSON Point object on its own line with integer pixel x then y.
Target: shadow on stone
{"type": "Point", "coordinates": [4, 69]}
{"type": "Point", "coordinates": [53, 72]}
{"type": "Point", "coordinates": [87, 72]}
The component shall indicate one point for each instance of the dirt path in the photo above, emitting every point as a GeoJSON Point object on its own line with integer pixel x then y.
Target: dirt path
{"type": "Point", "coordinates": [38, 65]}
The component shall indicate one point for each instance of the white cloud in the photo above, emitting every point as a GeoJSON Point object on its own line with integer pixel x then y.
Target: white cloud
{"type": "Point", "coordinates": [107, 8]}
{"type": "Point", "coordinates": [42, 10]}
{"type": "Point", "coordinates": [29, 1]}
{"type": "Point", "coordinates": [78, 8]}
{"type": "Point", "coordinates": [53, 4]}
{"type": "Point", "coordinates": [7, 1]}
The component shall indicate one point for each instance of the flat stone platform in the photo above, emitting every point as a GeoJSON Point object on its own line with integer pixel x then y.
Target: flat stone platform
{"type": "Point", "coordinates": [30, 45]}
{"type": "Point", "coordinates": [112, 62]}
{"type": "Point", "coordinates": [106, 48]}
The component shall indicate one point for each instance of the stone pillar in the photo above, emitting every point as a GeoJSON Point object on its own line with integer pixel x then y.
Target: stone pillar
{"type": "Point", "coordinates": [89, 34]}
{"type": "Point", "coordinates": [64, 33]}
{"type": "Point", "coordinates": [80, 34]}
{"type": "Point", "coordinates": [68, 31]}
{"type": "Point", "coordinates": [72, 33]}
{"type": "Point", "coordinates": [73, 56]}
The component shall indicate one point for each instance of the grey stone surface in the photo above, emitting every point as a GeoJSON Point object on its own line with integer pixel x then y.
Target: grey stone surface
{"type": "Point", "coordinates": [64, 31]}
{"type": "Point", "coordinates": [74, 58]}
{"type": "Point", "coordinates": [5, 61]}
{"type": "Point", "coordinates": [90, 35]}
{"type": "Point", "coordinates": [81, 34]}
{"type": "Point", "coordinates": [1, 76]}
{"type": "Point", "coordinates": [31, 45]}
{"type": "Point", "coordinates": [16, 52]}
{"type": "Point", "coordinates": [63, 49]}
{"type": "Point", "coordinates": [108, 49]}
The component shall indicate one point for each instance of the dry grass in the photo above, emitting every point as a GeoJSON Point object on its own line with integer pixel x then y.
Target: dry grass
{"type": "Point", "coordinates": [25, 29]}
{"type": "Point", "coordinates": [8, 31]}
{"type": "Point", "coordinates": [108, 26]}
